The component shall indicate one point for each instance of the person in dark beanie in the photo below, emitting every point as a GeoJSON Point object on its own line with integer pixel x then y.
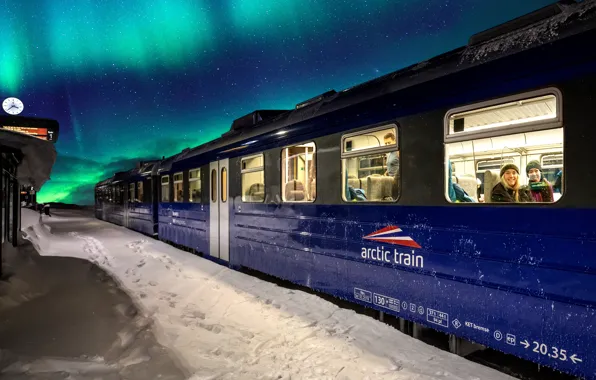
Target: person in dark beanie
{"type": "Point", "coordinates": [46, 209]}
{"type": "Point", "coordinates": [541, 189]}
{"type": "Point", "coordinates": [509, 188]}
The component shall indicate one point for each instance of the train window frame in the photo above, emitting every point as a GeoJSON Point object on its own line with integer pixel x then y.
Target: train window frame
{"type": "Point", "coordinates": [545, 168]}
{"type": "Point", "coordinates": [511, 129]}
{"type": "Point", "coordinates": [489, 160]}
{"type": "Point", "coordinates": [223, 177]}
{"type": "Point", "coordinates": [178, 179]}
{"type": "Point", "coordinates": [281, 171]}
{"type": "Point", "coordinates": [161, 186]}
{"type": "Point", "coordinates": [192, 180]}
{"type": "Point", "coordinates": [131, 192]}
{"type": "Point", "coordinates": [149, 193]}
{"type": "Point", "coordinates": [381, 149]}
{"type": "Point", "coordinates": [550, 155]}
{"type": "Point", "coordinates": [257, 169]}
{"type": "Point", "coordinates": [213, 186]}
{"type": "Point", "coordinates": [538, 125]}
{"type": "Point", "coordinates": [140, 192]}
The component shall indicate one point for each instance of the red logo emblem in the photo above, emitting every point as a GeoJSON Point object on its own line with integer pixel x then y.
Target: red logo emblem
{"type": "Point", "coordinates": [391, 235]}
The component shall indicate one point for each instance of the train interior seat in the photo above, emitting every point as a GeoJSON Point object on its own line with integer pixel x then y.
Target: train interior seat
{"type": "Point", "coordinates": [294, 191]}
{"type": "Point", "coordinates": [379, 187]}
{"type": "Point", "coordinates": [469, 184]}
{"type": "Point", "coordinates": [491, 178]}
{"type": "Point", "coordinates": [354, 182]}
{"type": "Point", "coordinates": [256, 193]}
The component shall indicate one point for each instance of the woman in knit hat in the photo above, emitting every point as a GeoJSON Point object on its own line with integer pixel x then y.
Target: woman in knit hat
{"type": "Point", "coordinates": [541, 189]}
{"type": "Point", "coordinates": [509, 189]}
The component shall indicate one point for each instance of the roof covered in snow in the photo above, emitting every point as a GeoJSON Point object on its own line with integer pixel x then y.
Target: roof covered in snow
{"type": "Point", "coordinates": [38, 157]}
{"type": "Point", "coordinates": [558, 20]}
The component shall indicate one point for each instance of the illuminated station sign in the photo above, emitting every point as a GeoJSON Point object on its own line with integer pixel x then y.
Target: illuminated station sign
{"type": "Point", "coordinates": [44, 129]}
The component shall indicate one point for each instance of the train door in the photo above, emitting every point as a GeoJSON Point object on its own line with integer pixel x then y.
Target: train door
{"type": "Point", "coordinates": [219, 211]}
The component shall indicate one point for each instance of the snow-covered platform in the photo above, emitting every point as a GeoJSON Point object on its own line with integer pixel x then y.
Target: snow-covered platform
{"type": "Point", "coordinates": [223, 324]}
{"type": "Point", "coordinates": [65, 318]}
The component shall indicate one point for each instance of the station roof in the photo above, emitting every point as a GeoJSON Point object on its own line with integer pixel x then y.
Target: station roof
{"type": "Point", "coordinates": [37, 157]}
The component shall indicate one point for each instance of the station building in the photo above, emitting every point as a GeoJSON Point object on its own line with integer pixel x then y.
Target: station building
{"type": "Point", "coordinates": [27, 155]}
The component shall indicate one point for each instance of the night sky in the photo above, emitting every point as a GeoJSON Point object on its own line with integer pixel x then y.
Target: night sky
{"type": "Point", "coordinates": [131, 79]}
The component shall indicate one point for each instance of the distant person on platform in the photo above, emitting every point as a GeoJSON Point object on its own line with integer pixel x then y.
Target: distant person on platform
{"type": "Point", "coordinates": [46, 209]}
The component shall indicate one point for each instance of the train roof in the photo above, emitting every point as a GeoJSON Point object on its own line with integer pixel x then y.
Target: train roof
{"type": "Point", "coordinates": [142, 169]}
{"type": "Point", "coordinates": [551, 23]}
{"type": "Point", "coordinates": [545, 25]}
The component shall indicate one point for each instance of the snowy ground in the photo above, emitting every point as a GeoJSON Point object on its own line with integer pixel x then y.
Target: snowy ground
{"type": "Point", "coordinates": [226, 325]}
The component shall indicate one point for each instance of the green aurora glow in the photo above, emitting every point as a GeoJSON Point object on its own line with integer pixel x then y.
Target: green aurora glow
{"type": "Point", "coordinates": [144, 79]}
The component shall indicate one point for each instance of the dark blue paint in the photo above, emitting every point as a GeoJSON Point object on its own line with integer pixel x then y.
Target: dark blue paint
{"type": "Point", "coordinates": [185, 224]}
{"type": "Point", "coordinates": [534, 283]}
{"type": "Point", "coordinates": [140, 217]}
{"type": "Point", "coordinates": [136, 216]}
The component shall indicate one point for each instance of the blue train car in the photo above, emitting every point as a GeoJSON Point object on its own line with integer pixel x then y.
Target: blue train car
{"type": "Point", "coordinates": [129, 198]}
{"type": "Point", "coordinates": [455, 193]}
{"type": "Point", "coordinates": [183, 210]}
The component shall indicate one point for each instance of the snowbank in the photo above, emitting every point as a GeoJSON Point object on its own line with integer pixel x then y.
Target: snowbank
{"type": "Point", "coordinates": [28, 218]}
{"type": "Point", "coordinates": [227, 325]}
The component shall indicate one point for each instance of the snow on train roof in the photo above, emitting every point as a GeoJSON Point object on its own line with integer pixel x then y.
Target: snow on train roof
{"type": "Point", "coordinates": [538, 33]}
{"type": "Point", "coordinates": [545, 30]}
{"type": "Point", "coordinates": [144, 168]}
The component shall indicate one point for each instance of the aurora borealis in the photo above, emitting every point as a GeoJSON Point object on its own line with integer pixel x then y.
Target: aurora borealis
{"type": "Point", "coordinates": [133, 79]}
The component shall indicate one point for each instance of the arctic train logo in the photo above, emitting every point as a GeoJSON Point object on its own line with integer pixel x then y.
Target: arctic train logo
{"type": "Point", "coordinates": [391, 235]}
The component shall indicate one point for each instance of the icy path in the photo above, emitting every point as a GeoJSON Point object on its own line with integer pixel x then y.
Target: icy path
{"type": "Point", "coordinates": [227, 325]}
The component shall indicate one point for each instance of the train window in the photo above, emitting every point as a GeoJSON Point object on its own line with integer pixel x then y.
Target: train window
{"type": "Point", "coordinates": [213, 185]}
{"type": "Point", "coordinates": [224, 185]}
{"type": "Point", "coordinates": [508, 150]}
{"type": "Point", "coordinates": [140, 191]}
{"type": "Point", "coordinates": [165, 188]}
{"type": "Point", "coordinates": [119, 194]}
{"type": "Point", "coordinates": [178, 191]}
{"type": "Point", "coordinates": [148, 195]}
{"type": "Point", "coordinates": [370, 165]}
{"type": "Point", "coordinates": [552, 169]}
{"type": "Point", "coordinates": [299, 173]}
{"type": "Point", "coordinates": [194, 184]}
{"type": "Point", "coordinates": [253, 178]}
{"type": "Point", "coordinates": [131, 192]}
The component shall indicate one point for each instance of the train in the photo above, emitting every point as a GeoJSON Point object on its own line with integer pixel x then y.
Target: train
{"type": "Point", "coordinates": [384, 194]}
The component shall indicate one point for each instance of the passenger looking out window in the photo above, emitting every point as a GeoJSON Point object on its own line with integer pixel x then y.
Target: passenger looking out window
{"type": "Point", "coordinates": [370, 165]}
{"type": "Point", "coordinates": [540, 188]}
{"type": "Point", "coordinates": [509, 188]}
{"type": "Point", "coordinates": [490, 142]}
{"type": "Point", "coordinates": [392, 157]}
